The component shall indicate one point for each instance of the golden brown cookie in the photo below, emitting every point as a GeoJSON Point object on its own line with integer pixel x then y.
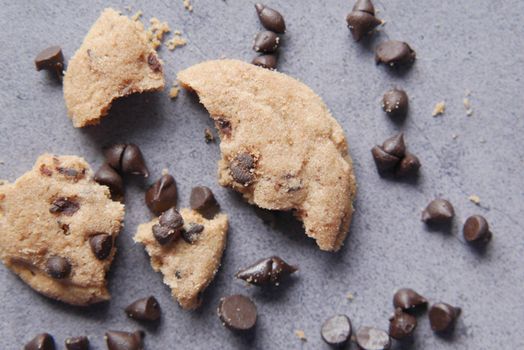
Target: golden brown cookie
{"type": "Point", "coordinates": [188, 268]}
{"type": "Point", "coordinates": [114, 60]}
{"type": "Point", "coordinates": [58, 230]}
{"type": "Point", "coordinates": [280, 146]}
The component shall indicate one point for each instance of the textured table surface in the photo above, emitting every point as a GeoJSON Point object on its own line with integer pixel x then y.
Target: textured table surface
{"type": "Point", "coordinates": [461, 45]}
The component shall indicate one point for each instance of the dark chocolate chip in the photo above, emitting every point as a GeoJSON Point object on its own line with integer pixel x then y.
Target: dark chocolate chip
{"type": "Point", "coordinates": [192, 233]}
{"type": "Point", "coordinates": [162, 195]}
{"type": "Point", "coordinates": [51, 59]}
{"type": "Point", "coordinates": [169, 227]}
{"type": "Point", "coordinates": [114, 155]}
{"type": "Point", "coordinates": [117, 340]}
{"type": "Point", "coordinates": [101, 245]}
{"type": "Point", "coordinates": [64, 227]}
{"type": "Point", "coordinates": [266, 42]}
{"type": "Point", "coordinates": [164, 235]}
{"type": "Point", "coordinates": [63, 205]}
{"type": "Point", "coordinates": [442, 316]}
{"type": "Point", "coordinates": [408, 300]}
{"type": "Point", "coordinates": [224, 126]}
{"type": "Point", "coordinates": [394, 53]}
{"type": "Point", "coordinates": [266, 61]}
{"type": "Point", "coordinates": [107, 176]}
{"type": "Point", "coordinates": [201, 198]}
{"type": "Point", "coordinates": [208, 135]}
{"type": "Point", "coordinates": [271, 19]}
{"type": "Point", "coordinates": [154, 63]}
{"type": "Point", "coordinates": [364, 6]}
{"type": "Point", "coordinates": [237, 312]}
{"type": "Point", "coordinates": [476, 230]}
{"type": "Point", "coordinates": [145, 309]}
{"type": "Point", "coordinates": [336, 330]}
{"type": "Point", "coordinates": [369, 338]}
{"type": "Point", "coordinates": [361, 23]}
{"type": "Point", "coordinates": [133, 161]}
{"type": "Point", "coordinates": [395, 145]}
{"type": "Point", "coordinates": [401, 324]}
{"type": "Point", "coordinates": [171, 218]}
{"type": "Point", "coordinates": [42, 341]}
{"type": "Point", "coordinates": [383, 160]}
{"type": "Point", "coordinates": [266, 271]}
{"type": "Point", "coordinates": [45, 170]}
{"type": "Point", "coordinates": [71, 172]}
{"type": "Point", "coordinates": [77, 343]}
{"type": "Point", "coordinates": [242, 168]}
{"type": "Point", "coordinates": [408, 166]}
{"type": "Point", "coordinates": [395, 103]}
{"type": "Point", "coordinates": [58, 267]}
{"type": "Point", "coordinates": [438, 211]}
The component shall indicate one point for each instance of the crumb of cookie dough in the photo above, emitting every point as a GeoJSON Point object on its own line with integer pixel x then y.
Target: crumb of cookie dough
{"type": "Point", "coordinates": [173, 92]}
{"type": "Point", "coordinates": [176, 41]}
{"type": "Point", "coordinates": [474, 199]}
{"type": "Point", "coordinates": [165, 171]}
{"type": "Point", "coordinates": [188, 6]}
{"type": "Point", "coordinates": [454, 136]}
{"type": "Point", "coordinates": [156, 32]}
{"type": "Point", "coordinates": [208, 135]}
{"type": "Point", "coordinates": [137, 15]}
{"type": "Point", "coordinates": [350, 296]}
{"type": "Point", "coordinates": [439, 109]}
{"type": "Point", "coordinates": [467, 105]}
{"type": "Point", "coordinates": [300, 334]}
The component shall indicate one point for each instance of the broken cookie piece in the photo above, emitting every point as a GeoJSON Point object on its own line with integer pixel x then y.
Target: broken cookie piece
{"type": "Point", "coordinates": [281, 148]}
{"type": "Point", "coordinates": [58, 230]}
{"type": "Point", "coordinates": [115, 60]}
{"type": "Point", "coordinates": [190, 264]}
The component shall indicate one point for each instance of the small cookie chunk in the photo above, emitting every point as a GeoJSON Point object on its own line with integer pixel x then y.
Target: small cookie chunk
{"type": "Point", "coordinates": [58, 230]}
{"type": "Point", "coordinates": [114, 60]}
{"type": "Point", "coordinates": [188, 266]}
{"type": "Point", "coordinates": [281, 148]}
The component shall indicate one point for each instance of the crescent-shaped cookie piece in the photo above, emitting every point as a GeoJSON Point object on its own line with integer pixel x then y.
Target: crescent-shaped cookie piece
{"type": "Point", "coordinates": [280, 146]}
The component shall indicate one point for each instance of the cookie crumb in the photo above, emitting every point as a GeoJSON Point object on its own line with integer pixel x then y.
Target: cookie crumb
{"type": "Point", "coordinates": [173, 92]}
{"type": "Point", "coordinates": [301, 335]}
{"type": "Point", "coordinates": [439, 109]}
{"type": "Point", "coordinates": [165, 172]}
{"type": "Point", "coordinates": [156, 31]}
{"type": "Point", "coordinates": [454, 136]}
{"type": "Point", "coordinates": [350, 296]}
{"type": "Point", "coordinates": [467, 105]}
{"type": "Point", "coordinates": [176, 41]}
{"type": "Point", "coordinates": [208, 135]}
{"type": "Point", "coordinates": [137, 15]}
{"type": "Point", "coordinates": [188, 6]}
{"type": "Point", "coordinates": [474, 199]}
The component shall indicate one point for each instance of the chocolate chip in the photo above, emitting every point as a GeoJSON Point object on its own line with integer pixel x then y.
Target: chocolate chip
{"type": "Point", "coordinates": [224, 126]}
{"type": "Point", "coordinates": [145, 309]}
{"type": "Point", "coordinates": [133, 161]}
{"type": "Point", "coordinates": [442, 316]}
{"type": "Point", "coordinates": [154, 63]}
{"type": "Point", "coordinates": [71, 172]}
{"type": "Point", "coordinates": [271, 19]}
{"type": "Point", "coordinates": [266, 42]}
{"type": "Point", "coordinates": [77, 343]}
{"type": "Point", "coordinates": [364, 6]}
{"type": "Point", "coordinates": [114, 155]}
{"type": "Point", "coordinates": [361, 23]}
{"type": "Point", "coordinates": [394, 53]}
{"type": "Point", "coordinates": [58, 267]}
{"type": "Point", "coordinates": [169, 227]}
{"type": "Point", "coordinates": [476, 230]}
{"type": "Point", "coordinates": [395, 103]}
{"type": "Point", "coordinates": [242, 168]}
{"type": "Point", "coordinates": [401, 325]}
{"type": "Point", "coordinates": [208, 135]}
{"type": "Point", "coordinates": [164, 235]}
{"type": "Point", "coordinates": [45, 170]}
{"type": "Point", "coordinates": [395, 145]}
{"type": "Point", "coordinates": [117, 340]}
{"type": "Point", "coordinates": [266, 61]}
{"type": "Point", "coordinates": [101, 245]}
{"type": "Point", "coordinates": [408, 300]}
{"type": "Point", "coordinates": [162, 195]}
{"type": "Point", "coordinates": [64, 227]}
{"type": "Point", "coordinates": [383, 160]}
{"type": "Point", "coordinates": [107, 176]}
{"type": "Point", "coordinates": [171, 218]}
{"type": "Point", "coordinates": [201, 198]}
{"type": "Point", "coordinates": [51, 59]}
{"type": "Point", "coordinates": [438, 211]}
{"type": "Point", "coordinates": [369, 338]}
{"type": "Point", "coordinates": [42, 341]}
{"type": "Point", "coordinates": [192, 233]}
{"type": "Point", "coordinates": [237, 312]}
{"type": "Point", "coordinates": [408, 166]}
{"type": "Point", "coordinates": [266, 271]}
{"type": "Point", "coordinates": [64, 205]}
{"type": "Point", "coordinates": [336, 330]}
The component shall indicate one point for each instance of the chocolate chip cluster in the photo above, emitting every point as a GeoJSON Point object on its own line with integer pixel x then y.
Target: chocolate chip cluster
{"type": "Point", "coordinates": [268, 41]}
{"type": "Point", "coordinates": [392, 157]}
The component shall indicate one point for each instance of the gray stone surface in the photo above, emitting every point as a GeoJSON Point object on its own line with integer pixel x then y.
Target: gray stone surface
{"type": "Point", "coordinates": [475, 45]}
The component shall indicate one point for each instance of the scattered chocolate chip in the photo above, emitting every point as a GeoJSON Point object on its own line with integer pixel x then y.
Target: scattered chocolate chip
{"type": "Point", "coordinates": [395, 145]}
{"type": "Point", "coordinates": [224, 126]}
{"type": "Point", "coordinates": [336, 330]}
{"type": "Point", "coordinates": [208, 135]}
{"type": "Point", "coordinates": [476, 230]}
{"type": "Point", "coordinates": [266, 42]}
{"type": "Point", "coordinates": [154, 63]}
{"type": "Point", "coordinates": [364, 6]}
{"type": "Point", "coordinates": [383, 160]}
{"type": "Point", "coordinates": [63, 205]}
{"type": "Point", "coordinates": [42, 341]}
{"type": "Point", "coordinates": [133, 161]}
{"type": "Point", "coordinates": [271, 19]}
{"type": "Point", "coordinates": [201, 198]}
{"type": "Point", "coordinates": [107, 176]}
{"type": "Point", "coordinates": [438, 211]}
{"type": "Point", "coordinates": [101, 245]}
{"type": "Point", "coordinates": [395, 103]}
{"type": "Point", "coordinates": [361, 23]}
{"type": "Point", "coordinates": [162, 195]}
{"type": "Point", "coordinates": [442, 316]}
{"type": "Point", "coordinates": [242, 168]}
{"type": "Point", "coordinates": [117, 340]}
{"type": "Point", "coordinates": [408, 166]}
{"type": "Point", "coordinates": [51, 59]}
{"type": "Point", "coordinates": [369, 338]}
{"type": "Point", "coordinates": [408, 300]}
{"type": "Point", "coordinates": [192, 233]}
{"type": "Point", "coordinates": [145, 309]}
{"type": "Point", "coordinates": [266, 61]}
{"type": "Point", "coordinates": [237, 312]}
{"type": "Point", "coordinates": [77, 343]}
{"type": "Point", "coordinates": [394, 53]}
{"type": "Point", "coordinates": [169, 227]}
{"type": "Point", "coordinates": [114, 155]}
{"type": "Point", "coordinates": [401, 324]}
{"type": "Point", "coordinates": [58, 267]}
{"type": "Point", "coordinates": [266, 271]}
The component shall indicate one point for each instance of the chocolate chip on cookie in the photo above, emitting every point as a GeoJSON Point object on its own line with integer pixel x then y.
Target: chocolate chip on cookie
{"type": "Point", "coordinates": [71, 172]}
{"type": "Point", "coordinates": [154, 63]}
{"type": "Point", "coordinates": [394, 53]}
{"type": "Point", "coordinates": [336, 330]}
{"type": "Point", "coordinates": [369, 338]}
{"type": "Point", "coordinates": [101, 245]}
{"type": "Point", "coordinates": [271, 19]}
{"type": "Point", "coordinates": [408, 300]}
{"type": "Point", "coordinates": [266, 271]}
{"type": "Point", "coordinates": [65, 206]}
{"type": "Point", "coordinates": [395, 103]}
{"type": "Point", "coordinates": [242, 168]}
{"type": "Point", "coordinates": [42, 341]}
{"type": "Point", "coordinates": [191, 234]}
{"type": "Point", "coordinates": [162, 195]}
{"type": "Point", "coordinates": [266, 41]}
{"type": "Point", "coordinates": [107, 176]}
{"type": "Point", "coordinates": [145, 309]}
{"type": "Point", "coordinates": [51, 59]}
{"type": "Point", "coordinates": [77, 343]}
{"type": "Point", "coordinates": [169, 227]}
{"type": "Point", "coordinates": [118, 340]}
{"type": "Point", "coordinates": [201, 198]}
{"type": "Point", "coordinates": [438, 211]}
{"type": "Point", "coordinates": [268, 61]}
{"type": "Point", "coordinates": [237, 312]}
{"type": "Point", "coordinates": [58, 267]}
{"type": "Point", "coordinates": [224, 126]}
{"type": "Point", "coordinates": [401, 324]}
{"type": "Point", "coordinates": [133, 161]}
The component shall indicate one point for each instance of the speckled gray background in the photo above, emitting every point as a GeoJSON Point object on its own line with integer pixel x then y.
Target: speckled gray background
{"type": "Point", "coordinates": [476, 45]}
